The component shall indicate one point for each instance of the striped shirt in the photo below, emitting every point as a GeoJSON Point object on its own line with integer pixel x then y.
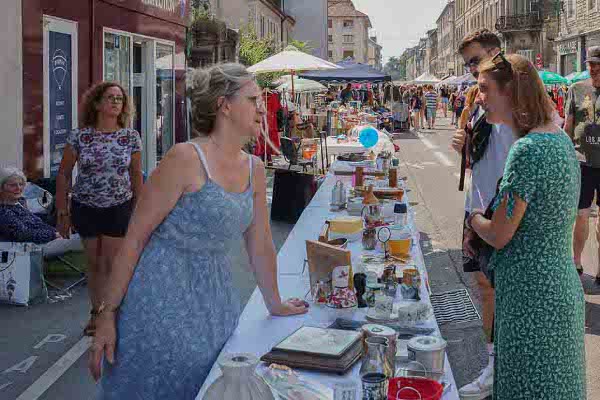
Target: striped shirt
{"type": "Point", "coordinates": [431, 99]}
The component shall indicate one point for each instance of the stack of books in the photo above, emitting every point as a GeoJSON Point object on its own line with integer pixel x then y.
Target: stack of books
{"type": "Point", "coordinates": [320, 349]}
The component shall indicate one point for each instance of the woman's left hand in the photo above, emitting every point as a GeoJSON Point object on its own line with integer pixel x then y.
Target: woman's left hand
{"type": "Point", "coordinates": [290, 307]}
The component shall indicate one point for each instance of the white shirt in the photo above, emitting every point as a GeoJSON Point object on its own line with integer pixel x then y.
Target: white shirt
{"type": "Point", "coordinates": [487, 171]}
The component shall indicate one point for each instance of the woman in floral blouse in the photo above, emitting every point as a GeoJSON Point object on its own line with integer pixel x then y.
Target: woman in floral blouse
{"type": "Point", "coordinates": [109, 178]}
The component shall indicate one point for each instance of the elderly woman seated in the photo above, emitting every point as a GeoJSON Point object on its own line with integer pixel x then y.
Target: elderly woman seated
{"type": "Point", "coordinates": [17, 223]}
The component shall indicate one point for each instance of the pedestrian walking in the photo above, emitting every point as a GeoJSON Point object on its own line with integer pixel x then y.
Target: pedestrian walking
{"type": "Point", "coordinates": [171, 303]}
{"type": "Point", "coordinates": [459, 106]}
{"type": "Point", "coordinates": [431, 100]}
{"type": "Point", "coordinates": [583, 116]}
{"type": "Point", "coordinates": [445, 95]}
{"type": "Point", "coordinates": [540, 353]}
{"type": "Point", "coordinates": [451, 101]}
{"type": "Point", "coordinates": [415, 109]}
{"type": "Point", "coordinates": [109, 179]}
{"type": "Point", "coordinates": [488, 149]}
{"type": "Point", "coordinates": [422, 116]}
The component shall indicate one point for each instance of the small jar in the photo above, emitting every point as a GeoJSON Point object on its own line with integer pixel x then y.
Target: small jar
{"type": "Point", "coordinates": [369, 239]}
{"type": "Point", "coordinates": [400, 214]}
{"type": "Point", "coordinates": [373, 289]}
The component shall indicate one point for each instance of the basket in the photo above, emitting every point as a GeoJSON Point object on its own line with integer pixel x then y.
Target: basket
{"type": "Point", "coordinates": [414, 389]}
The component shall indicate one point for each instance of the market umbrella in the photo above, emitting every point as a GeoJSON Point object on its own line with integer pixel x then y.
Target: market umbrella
{"type": "Point", "coordinates": [552, 78]}
{"type": "Point", "coordinates": [349, 72]}
{"type": "Point", "coordinates": [291, 60]}
{"type": "Point", "coordinates": [302, 86]}
{"type": "Point", "coordinates": [581, 76]}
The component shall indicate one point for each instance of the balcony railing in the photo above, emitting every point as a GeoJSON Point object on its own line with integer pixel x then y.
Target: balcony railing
{"type": "Point", "coordinates": [522, 22]}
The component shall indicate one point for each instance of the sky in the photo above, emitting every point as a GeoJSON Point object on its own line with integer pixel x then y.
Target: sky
{"type": "Point", "coordinates": [400, 23]}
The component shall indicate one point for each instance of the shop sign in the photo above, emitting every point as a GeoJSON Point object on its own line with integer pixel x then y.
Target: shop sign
{"type": "Point", "coordinates": [59, 94]}
{"type": "Point", "coordinates": [568, 47]}
{"type": "Point", "coordinates": [173, 6]}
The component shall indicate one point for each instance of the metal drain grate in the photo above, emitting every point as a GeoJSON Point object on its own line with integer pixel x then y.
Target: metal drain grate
{"type": "Point", "coordinates": [454, 306]}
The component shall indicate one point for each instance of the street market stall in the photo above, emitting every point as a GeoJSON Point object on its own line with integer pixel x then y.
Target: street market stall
{"type": "Point", "coordinates": [261, 335]}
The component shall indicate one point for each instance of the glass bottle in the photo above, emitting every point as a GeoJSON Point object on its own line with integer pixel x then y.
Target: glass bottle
{"type": "Point", "coordinates": [375, 371]}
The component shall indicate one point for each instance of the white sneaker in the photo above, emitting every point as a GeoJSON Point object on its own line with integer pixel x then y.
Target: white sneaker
{"type": "Point", "coordinates": [481, 387]}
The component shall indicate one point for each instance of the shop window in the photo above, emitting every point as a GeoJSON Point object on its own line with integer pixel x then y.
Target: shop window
{"type": "Point", "coordinates": [348, 54]}
{"type": "Point", "coordinates": [117, 59]}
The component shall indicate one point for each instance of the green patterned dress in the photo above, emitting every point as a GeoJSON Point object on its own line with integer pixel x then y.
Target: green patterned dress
{"type": "Point", "coordinates": [540, 351]}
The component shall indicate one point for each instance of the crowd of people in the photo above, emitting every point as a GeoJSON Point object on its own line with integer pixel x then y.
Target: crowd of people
{"type": "Point", "coordinates": [158, 253]}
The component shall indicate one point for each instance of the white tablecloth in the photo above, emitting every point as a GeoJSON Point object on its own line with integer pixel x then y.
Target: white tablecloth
{"type": "Point", "coordinates": [258, 332]}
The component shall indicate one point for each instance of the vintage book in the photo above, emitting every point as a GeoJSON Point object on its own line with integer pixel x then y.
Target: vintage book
{"type": "Point", "coordinates": [322, 349]}
{"type": "Point", "coordinates": [319, 341]}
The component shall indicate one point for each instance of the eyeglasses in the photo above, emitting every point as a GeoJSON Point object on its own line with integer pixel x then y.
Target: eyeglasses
{"type": "Point", "coordinates": [114, 99]}
{"type": "Point", "coordinates": [501, 63]}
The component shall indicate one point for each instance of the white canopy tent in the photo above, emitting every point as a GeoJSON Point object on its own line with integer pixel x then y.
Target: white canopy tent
{"type": "Point", "coordinates": [426, 79]}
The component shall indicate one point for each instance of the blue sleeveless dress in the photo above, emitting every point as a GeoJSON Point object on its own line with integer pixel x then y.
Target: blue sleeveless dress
{"type": "Point", "coordinates": [181, 305]}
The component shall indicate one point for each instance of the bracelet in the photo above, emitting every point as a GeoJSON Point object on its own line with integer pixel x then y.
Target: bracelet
{"type": "Point", "coordinates": [104, 308]}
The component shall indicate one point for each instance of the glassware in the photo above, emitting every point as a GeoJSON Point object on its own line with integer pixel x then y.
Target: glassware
{"type": "Point", "coordinates": [375, 371]}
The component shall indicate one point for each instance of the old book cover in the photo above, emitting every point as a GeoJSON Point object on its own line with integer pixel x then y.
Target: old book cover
{"type": "Point", "coordinates": [323, 342]}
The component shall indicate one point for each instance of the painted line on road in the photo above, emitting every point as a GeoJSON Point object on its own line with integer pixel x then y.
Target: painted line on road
{"type": "Point", "coordinates": [49, 377]}
{"type": "Point", "coordinates": [427, 143]}
{"type": "Point", "coordinates": [443, 158]}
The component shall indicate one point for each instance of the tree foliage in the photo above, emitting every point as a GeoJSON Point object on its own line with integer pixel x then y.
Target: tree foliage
{"type": "Point", "coordinates": [253, 49]}
{"type": "Point", "coordinates": [396, 68]}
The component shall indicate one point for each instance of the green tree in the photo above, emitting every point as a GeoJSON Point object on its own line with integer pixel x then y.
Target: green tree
{"type": "Point", "coordinates": [396, 68]}
{"type": "Point", "coordinates": [302, 46]}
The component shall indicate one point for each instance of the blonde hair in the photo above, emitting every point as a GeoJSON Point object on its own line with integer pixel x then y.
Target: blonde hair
{"type": "Point", "coordinates": [93, 97]}
{"type": "Point", "coordinates": [471, 96]}
{"type": "Point", "coordinates": [207, 85]}
{"type": "Point", "coordinates": [531, 106]}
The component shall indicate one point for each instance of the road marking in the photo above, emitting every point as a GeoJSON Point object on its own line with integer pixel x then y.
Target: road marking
{"type": "Point", "coordinates": [49, 377]}
{"type": "Point", "coordinates": [443, 159]}
{"type": "Point", "coordinates": [427, 143]}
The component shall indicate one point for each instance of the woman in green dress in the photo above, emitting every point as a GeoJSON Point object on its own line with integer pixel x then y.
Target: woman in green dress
{"type": "Point", "coordinates": [540, 351]}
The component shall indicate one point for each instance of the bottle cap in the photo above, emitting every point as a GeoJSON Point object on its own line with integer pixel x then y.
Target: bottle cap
{"type": "Point", "coordinates": [400, 208]}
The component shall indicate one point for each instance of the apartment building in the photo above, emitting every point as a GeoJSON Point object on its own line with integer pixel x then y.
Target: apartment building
{"type": "Point", "coordinates": [311, 24]}
{"type": "Point", "coordinates": [431, 52]}
{"type": "Point", "coordinates": [375, 57]}
{"type": "Point", "coordinates": [348, 32]}
{"type": "Point", "coordinates": [445, 42]}
{"type": "Point", "coordinates": [578, 29]}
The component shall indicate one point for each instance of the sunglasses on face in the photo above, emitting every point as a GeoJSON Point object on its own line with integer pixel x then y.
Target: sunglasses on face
{"type": "Point", "coordinates": [473, 62]}
{"type": "Point", "coordinates": [114, 99]}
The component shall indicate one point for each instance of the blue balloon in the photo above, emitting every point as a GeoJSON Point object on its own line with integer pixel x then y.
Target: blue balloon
{"type": "Point", "coordinates": [368, 137]}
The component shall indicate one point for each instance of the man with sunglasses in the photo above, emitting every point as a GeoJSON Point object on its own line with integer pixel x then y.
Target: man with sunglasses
{"type": "Point", "coordinates": [583, 125]}
{"type": "Point", "coordinates": [488, 148]}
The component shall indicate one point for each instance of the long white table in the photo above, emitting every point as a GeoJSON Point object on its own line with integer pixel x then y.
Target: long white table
{"type": "Point", "coordinates": [258, 332]}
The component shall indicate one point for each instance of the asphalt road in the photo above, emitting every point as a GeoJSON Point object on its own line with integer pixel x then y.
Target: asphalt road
{"type": "Point", "coordinates": [44, 355]}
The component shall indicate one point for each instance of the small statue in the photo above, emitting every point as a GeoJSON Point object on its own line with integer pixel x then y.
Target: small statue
{"type": "Point", "coordinates": [360, 285]}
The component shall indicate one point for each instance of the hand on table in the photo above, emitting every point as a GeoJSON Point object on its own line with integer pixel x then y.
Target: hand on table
{"type": "Point", "coordinates": [289, 307]}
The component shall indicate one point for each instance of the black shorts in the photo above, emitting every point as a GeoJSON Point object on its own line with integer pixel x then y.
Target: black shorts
{"type": "Point", "coordinates": [92, 222]}
{"type": "Point", "coordinates": [590, 186]}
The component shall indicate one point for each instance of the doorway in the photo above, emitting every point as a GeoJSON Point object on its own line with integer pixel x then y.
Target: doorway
{"type": "Point", "coordinates": [144, 67]}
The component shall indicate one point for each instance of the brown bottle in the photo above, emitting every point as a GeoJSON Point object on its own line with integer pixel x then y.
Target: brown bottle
{"type": "Point", "coordinates": [360, 177]}
{"type": "Point", "coordinates": [393, 177]}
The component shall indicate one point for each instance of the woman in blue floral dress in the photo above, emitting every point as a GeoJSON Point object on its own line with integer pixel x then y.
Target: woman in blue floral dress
{"type": "Point", "coordinates": [540, 350]}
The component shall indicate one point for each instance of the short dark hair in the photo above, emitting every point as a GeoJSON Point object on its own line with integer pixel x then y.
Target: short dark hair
{"type": "Point", "coordinates": [486, 38]}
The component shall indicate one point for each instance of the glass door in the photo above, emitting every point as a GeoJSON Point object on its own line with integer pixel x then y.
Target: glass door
{"type": "Point", "coordinates": [117, 59]}
{"type": "Point", "coordinates": [165, 101]}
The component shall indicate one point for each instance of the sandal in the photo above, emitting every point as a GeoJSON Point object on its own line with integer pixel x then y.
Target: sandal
{"type": "Point", "coordinates": [90, 328]}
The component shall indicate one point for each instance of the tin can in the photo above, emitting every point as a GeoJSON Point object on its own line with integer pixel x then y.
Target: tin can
{"type": "Point", "coordinates": [374, 386]}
